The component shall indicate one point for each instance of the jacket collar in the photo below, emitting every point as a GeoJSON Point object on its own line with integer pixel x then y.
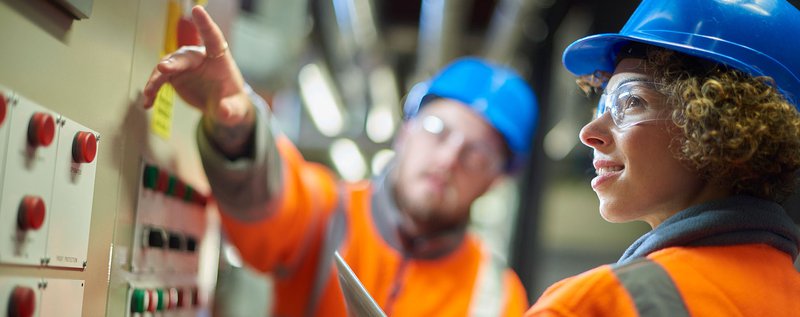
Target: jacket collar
{"type": "Point", "coordinates": [730, 221]}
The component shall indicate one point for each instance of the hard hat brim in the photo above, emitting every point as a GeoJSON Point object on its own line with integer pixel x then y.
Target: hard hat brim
{"type": "Point", "coordinates": [599, 52]}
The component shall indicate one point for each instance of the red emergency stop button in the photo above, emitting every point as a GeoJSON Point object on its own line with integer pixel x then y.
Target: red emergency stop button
{"type": "Point", "coordinates": [84, 147]}
{"type": "Point", "coordinates": [31, 213]}
{"type": "Point", "coordinates": [41, 129]}
{"type": "Point", "coordinates": [3, 107]}
{"type": "Point", "coordinates": [22, 302]}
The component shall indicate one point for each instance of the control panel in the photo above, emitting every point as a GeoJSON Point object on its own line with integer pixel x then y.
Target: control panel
{"type": "Point", "coordinates": [168, 223]}
{"type": "Point", "coordinates": [169, 228]}
{"type": "Point", "coordinates": [47, 185]}
{"type": "Point", "coordinates": [101, 214]}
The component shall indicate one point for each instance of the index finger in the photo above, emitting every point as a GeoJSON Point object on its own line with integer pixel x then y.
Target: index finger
{"type": "Point", "coordinates": [209, 31]}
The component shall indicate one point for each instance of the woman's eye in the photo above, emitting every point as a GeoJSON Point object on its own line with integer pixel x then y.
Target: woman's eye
{"type": "Point", "coordinates": [633, 103]}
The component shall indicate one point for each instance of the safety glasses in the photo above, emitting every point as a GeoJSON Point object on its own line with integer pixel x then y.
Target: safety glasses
{"type": "Point", "coordinates": [632, 103]}
{"type": "Point", "coordinates": [474, 155]}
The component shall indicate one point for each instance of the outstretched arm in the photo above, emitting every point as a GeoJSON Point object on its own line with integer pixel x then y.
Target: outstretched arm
{"type": "Point", "coordinates": [208, 79]}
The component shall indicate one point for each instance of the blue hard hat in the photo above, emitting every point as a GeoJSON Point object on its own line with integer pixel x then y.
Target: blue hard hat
{"type": "Point", "coordinates": [495, 92]}
{"type": "Point", "coordinates": [758, 37]}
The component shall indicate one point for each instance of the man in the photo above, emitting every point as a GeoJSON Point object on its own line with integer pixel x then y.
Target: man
{"type": "Point", "coordinates": [403, 234]}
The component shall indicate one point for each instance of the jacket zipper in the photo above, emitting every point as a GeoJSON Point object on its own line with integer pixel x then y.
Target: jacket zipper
{"type": "Point", "coordinates": [396, 285]}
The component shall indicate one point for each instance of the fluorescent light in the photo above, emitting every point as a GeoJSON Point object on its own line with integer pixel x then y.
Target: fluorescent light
{"type": "Point", "coordinates": [380, 124]}
{"type": "Point", "coordinates": [380, 159]}
{"type": "Point", "coordinates": [320, 99]}
{"type": "Point", "coordinates": [384, 113]}
{"type": "Point", "coordinates": [348, 160]}
{"type": "Point", "coordinates": [560, 140]}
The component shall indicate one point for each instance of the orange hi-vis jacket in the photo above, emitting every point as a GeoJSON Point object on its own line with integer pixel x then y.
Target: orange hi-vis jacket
{"type": "Point", "coordinates": [312, 214]}
{"type": "Point", "coordinates": [735, 260]}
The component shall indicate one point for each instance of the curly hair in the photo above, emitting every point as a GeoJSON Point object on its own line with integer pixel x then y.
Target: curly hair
{"type": "Point", "coordinates": [737, 129]}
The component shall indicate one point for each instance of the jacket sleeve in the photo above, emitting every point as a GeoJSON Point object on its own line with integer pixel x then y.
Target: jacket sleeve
{"type": "Point", "coordinates": [273, 203]}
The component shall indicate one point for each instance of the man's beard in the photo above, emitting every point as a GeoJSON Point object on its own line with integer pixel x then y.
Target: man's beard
{"type": "Point", "coordinates": [429, 215]}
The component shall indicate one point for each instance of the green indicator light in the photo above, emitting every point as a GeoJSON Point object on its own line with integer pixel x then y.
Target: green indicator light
{"type": "Point", "coordinates": [172, 185]}
{"type": "Point", "coordinates": [162, 300]}
{"type": "Point", "coordinates": [138, 301]}
{"type": "Point", "coordinates": [150, 176]}
{"type": "Point", "coordinates": [189, 195]}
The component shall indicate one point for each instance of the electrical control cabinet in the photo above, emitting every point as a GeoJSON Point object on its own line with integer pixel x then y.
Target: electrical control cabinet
{"type": "Point", "coordinates": [48, 183]}
{"type": "Point", "coordinates": [49, 178]}
{"type": "Point", "coordinates": [103, 212]}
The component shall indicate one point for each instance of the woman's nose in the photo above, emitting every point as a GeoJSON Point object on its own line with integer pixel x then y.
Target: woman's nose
{"type": "Point", "coordinates": [595, 134]}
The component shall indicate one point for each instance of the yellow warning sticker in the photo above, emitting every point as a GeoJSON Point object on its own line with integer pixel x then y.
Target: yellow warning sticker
{"type": "Point", "coordinates": [161, 124]}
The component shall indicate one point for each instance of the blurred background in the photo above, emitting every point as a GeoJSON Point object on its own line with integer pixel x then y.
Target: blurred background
{"type": "Point", "coordinates": [335, 73]}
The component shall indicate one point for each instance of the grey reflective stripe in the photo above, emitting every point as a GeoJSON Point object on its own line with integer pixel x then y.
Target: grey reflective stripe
{"type": "Point", "coordinates": [488, 295]}
{"type": "Point", "coordinates": [651, 288]}
{"type": "Point", "coordinates": [334, 234]}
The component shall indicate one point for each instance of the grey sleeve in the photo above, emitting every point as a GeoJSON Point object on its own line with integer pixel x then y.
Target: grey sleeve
{"type": "Point", "coordinates": [246, 187]}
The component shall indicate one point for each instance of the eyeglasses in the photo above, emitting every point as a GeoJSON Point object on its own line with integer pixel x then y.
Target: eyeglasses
{"type": "Point", "coordinates": [474, 156]}
{"type": "Point", "coordinates": [629, 104]}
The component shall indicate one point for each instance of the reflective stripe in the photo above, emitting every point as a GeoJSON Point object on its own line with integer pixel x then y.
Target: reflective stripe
{"type": "Point", "coordinates": [489, 293]}
{"type": "Point", "coordinates": [651, 288]}
{"type": "Point", "coordinates": [334, 234]}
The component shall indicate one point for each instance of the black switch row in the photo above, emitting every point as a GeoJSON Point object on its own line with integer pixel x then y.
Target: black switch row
{"type": "Point", "coordinates": [158, 238]}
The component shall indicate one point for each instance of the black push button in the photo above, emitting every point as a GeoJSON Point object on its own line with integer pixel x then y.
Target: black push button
{"type": "Point", "coordinates": [191, 244]}
{"type": "Point", "coordinates": [175, 241]}
{"type": "Point", "coordinates": [155, 238]}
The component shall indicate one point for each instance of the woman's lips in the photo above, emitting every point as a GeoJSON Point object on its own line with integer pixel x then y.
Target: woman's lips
{"type": "Point", "coordinates": [606, 171]}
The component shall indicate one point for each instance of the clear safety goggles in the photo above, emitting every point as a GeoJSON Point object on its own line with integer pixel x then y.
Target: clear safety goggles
{"type": "Point", "coordinates": [473, 156]}
{"type": "Point", "coordinates": [632, 103]}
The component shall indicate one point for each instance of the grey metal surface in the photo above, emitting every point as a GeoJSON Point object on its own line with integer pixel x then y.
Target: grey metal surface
{"type": "Point", "coordinates": [359, 301]}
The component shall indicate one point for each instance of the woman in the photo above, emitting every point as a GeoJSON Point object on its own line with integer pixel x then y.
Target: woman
{"type": "Point", "coordinates": [697, 134]}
